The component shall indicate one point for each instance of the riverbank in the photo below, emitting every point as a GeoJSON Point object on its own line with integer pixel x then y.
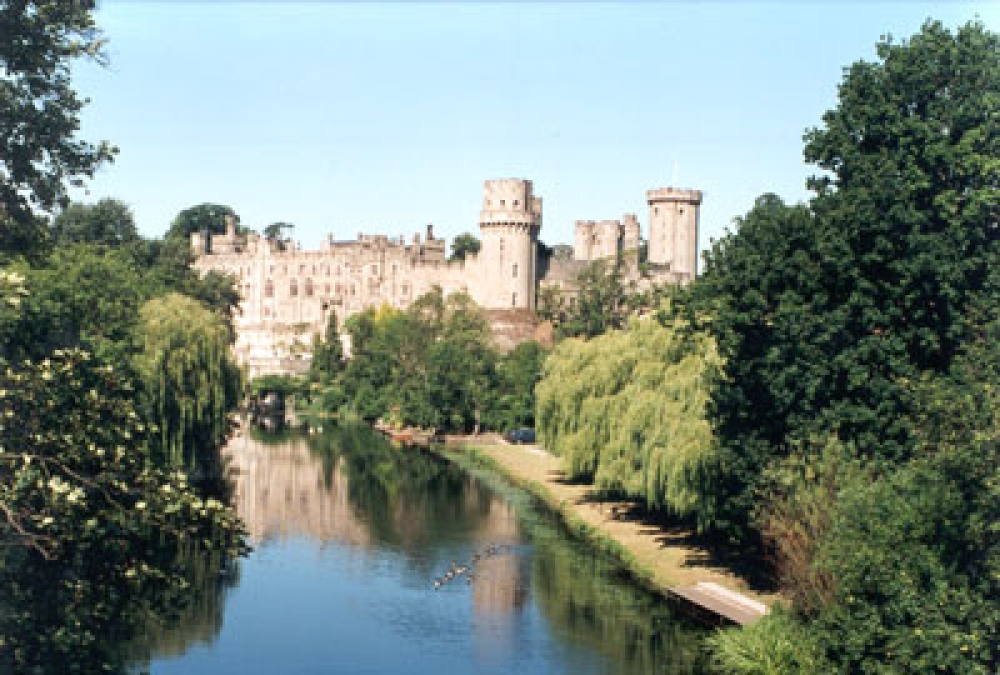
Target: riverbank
{"type": "Point", "coordinates": [668, 558]}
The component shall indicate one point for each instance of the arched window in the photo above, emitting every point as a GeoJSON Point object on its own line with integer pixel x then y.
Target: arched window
{"type": "Point", "coordinates": [269, 289]}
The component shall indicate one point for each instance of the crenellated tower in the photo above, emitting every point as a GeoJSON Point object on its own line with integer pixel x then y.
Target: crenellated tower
{"type": "Point", "coordinates": [673, 230]}
{"type": "Point", "coordinates": [509, 223]}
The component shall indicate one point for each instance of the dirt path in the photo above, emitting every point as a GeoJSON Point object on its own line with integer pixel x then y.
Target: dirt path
{"type": "Point", "coordinates": [667, 555]}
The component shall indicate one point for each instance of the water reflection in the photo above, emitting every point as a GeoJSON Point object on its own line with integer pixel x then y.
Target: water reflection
{"type": "Point", "coordinates": [350, 534]}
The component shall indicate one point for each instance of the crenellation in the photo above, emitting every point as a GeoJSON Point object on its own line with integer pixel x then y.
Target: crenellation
{"type": "Point", "coordinates": [287, 294]}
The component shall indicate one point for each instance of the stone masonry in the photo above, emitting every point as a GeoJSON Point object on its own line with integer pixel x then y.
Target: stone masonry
{"type": "Point", "coordinates": [287, 294]}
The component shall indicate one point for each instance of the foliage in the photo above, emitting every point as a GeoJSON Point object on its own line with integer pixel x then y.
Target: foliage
{"type": "Point", "coordinates": [774, 645]}
{"type": "Point", "coordinates": [91, 529]}
{"type": "Point", "coordinates": [627, 409]}
{"type": "Point", "coordinates": [199, 218]}
{"type": "Point", "coordinates": [282, 385]}
{"type": "Point", "coordinates": [464, 244]}
{"type": "Point", "coordinates": [915, 553]}
{"type": "Point", "coordinates": [327, 353]}
{"type": "Point", "coordinates": [513, 390]}
{"type": "Point", "coordinates": [80, 295]}
{"type": "Point", "coordinates": [825, 312]}
{"type": "Point", "coordinates": [431, 366]}
{"type": "Point", "coordinates": [190, 382]}
{"type": "Point", "coordinates": [274, 230]}
{"type": "Point", "coordinates": [109, 222]}
{"type": "Point", "coordinates": [40, 113]}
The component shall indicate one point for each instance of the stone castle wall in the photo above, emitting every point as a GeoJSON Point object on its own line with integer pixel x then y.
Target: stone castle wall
{"type": "Point", "coordinates": [287, 294]}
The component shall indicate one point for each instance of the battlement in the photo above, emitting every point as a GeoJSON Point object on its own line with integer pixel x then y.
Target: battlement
{"type": "Point", "coordinates": [669, 194]}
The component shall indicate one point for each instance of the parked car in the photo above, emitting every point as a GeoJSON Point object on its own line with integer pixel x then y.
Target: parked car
{"type": "Point", "coordinates": [520, 436]}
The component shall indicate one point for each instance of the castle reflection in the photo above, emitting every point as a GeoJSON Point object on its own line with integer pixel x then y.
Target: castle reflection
{"type": "Point", "coordinates": [282, 490]}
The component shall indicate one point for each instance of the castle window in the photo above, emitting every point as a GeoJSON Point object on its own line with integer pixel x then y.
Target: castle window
{"type": "Point", "coordinates": [314, 269]}
{"type": "Point", "coordinates": [269, 289]}
{"type": "Point", "coordinates": [513, 300]}
{"type": "Point", "coordinates": [515, 270]}
{"type": "Point", "coordinates": [682, 212]}
{"type": "Point", "coordinates": [326, 269]}
{"type": "Point", "coordinates": [338, 270]}
{"type": "Point", "coordinates": [284, 269]}
{"type": "Point", "coordinates": [302, 269]}
{"type": "Point", "coordinates": [516, 202]}
{"type": "Point", "coordinates": [502, 203]}
{"type": "Point", "coordinates": [501, 245]}
{"type": "Point", "coordinates": [326, 289]}
{"type": "Point", "coordinates": [309, 288]}
{"type": "Point", "coordinates": [656, 210]}
{"type": "Point", "coordinates": [406, 289]}
{"type": "Point", "coordinates": [293, 288]}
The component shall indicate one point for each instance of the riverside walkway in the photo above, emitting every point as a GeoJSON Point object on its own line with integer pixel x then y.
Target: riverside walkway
{"type": "Point", "coordinates": [676, 566]}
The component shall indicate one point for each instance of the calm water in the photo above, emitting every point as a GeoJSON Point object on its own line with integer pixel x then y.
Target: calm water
{"type": "Point", "coordinates": [350, 534]}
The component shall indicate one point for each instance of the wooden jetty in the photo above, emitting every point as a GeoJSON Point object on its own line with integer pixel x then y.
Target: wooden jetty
{"type": "Point", "coordinates": [722, 602]}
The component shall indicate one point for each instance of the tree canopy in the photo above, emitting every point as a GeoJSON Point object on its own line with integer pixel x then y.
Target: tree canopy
{"type": "Point", "coordinates": [40, 113]}
{"type": "Point", "coordinates": [199, 218]}
{"type": "Point", "coordinates": [109, 222]}
{"type": "Point", "coordinates": [463, 245]}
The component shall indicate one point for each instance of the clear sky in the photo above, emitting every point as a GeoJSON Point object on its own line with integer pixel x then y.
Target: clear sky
{"type": "Point", "coordinates": [382, 117]}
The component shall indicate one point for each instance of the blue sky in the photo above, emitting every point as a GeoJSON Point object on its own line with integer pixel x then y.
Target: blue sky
{"type": "Point", "coordinates": [382, 117]}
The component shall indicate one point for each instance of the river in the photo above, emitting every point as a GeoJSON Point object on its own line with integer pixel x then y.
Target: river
{"type": "Point", "coordinates": [350, 534]}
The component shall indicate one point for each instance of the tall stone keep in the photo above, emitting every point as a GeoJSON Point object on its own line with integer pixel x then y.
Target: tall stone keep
{"type": "Point", "coordinates": [673, 229]}
{"type": "Point", "coordinates": [509, 223]}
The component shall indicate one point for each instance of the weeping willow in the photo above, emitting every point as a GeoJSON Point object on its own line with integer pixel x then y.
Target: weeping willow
{"type": "Point", "coordinates": [627, 410]}
{"type": "Point", "coordinates": [189, 378]}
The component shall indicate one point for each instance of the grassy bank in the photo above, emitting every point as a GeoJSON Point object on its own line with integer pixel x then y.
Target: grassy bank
{"type": "Point", "coordinates": [662, 557]}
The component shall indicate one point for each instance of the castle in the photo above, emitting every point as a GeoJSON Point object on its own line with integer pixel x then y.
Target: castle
{"type": "Point", "coordinates": [287, 294]}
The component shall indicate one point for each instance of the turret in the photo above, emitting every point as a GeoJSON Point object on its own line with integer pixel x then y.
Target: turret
{"type": "Point", "coordinates": [631, 235]}
{"type": "Point", "coordinates": [673, 230]}
{"type": "Point", "coordinates": [509, 223]}
{"type": "Point", "coordinates": [584, 241]}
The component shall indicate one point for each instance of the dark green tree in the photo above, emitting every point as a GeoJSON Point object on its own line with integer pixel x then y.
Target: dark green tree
{"type": "Point", "coordinates": [275, 231]}
{"type": "Point", "coordinates": [327, 353]}
{"type": "Point", "coordinates": [824, 314]}
{"type": "Point", "coordinates": [200, 218]}
{"type": "Point", "coordinates": [463, 245]}
{"type": "Point", "coordinates": [109, 222]}
{"type": "Point", "coordinates": [93, 534]}
{"type": "Point", "coordinates": [40, 113]}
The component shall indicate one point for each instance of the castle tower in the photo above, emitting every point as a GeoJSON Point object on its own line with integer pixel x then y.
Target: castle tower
{"type": "Point", "coordinates": [673, 230]}
{"type": "Point", "coordinates": [631, 236]}
{"type": "Point", "coordinates": [584, 240]}
{"type": "Point", "coordinates": [508, 224]}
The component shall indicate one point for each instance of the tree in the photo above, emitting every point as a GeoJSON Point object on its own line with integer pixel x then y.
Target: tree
{"type": "Point", "coordinates": [463, 245]}
{"type": "Point", "coordinates": [627, 409]}
{"type": "Point", "coordinates": [94, 535]}
{"type": "Point", "coordinates": [512, 402]}
{"type": "Point", "coordinates": [274, 230]}
{"type": "Point", "coordinates": [824, 313]}
{"type": "Point", "coordinates": [327, 353]}
{"type": "Point", "coordinates": [109, 222]}
{"type": "Point", "coordinates": [39, 113]}
{"type": "Point", "coordinates": [199, 218]}
{"type": "Point", "coordinates": [190, 381]}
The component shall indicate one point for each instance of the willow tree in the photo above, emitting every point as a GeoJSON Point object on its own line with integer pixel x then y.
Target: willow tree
{"type": "Point", "coordinates": [190, 380]}
{"type": "Point", "coordinates": [627, 410]}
